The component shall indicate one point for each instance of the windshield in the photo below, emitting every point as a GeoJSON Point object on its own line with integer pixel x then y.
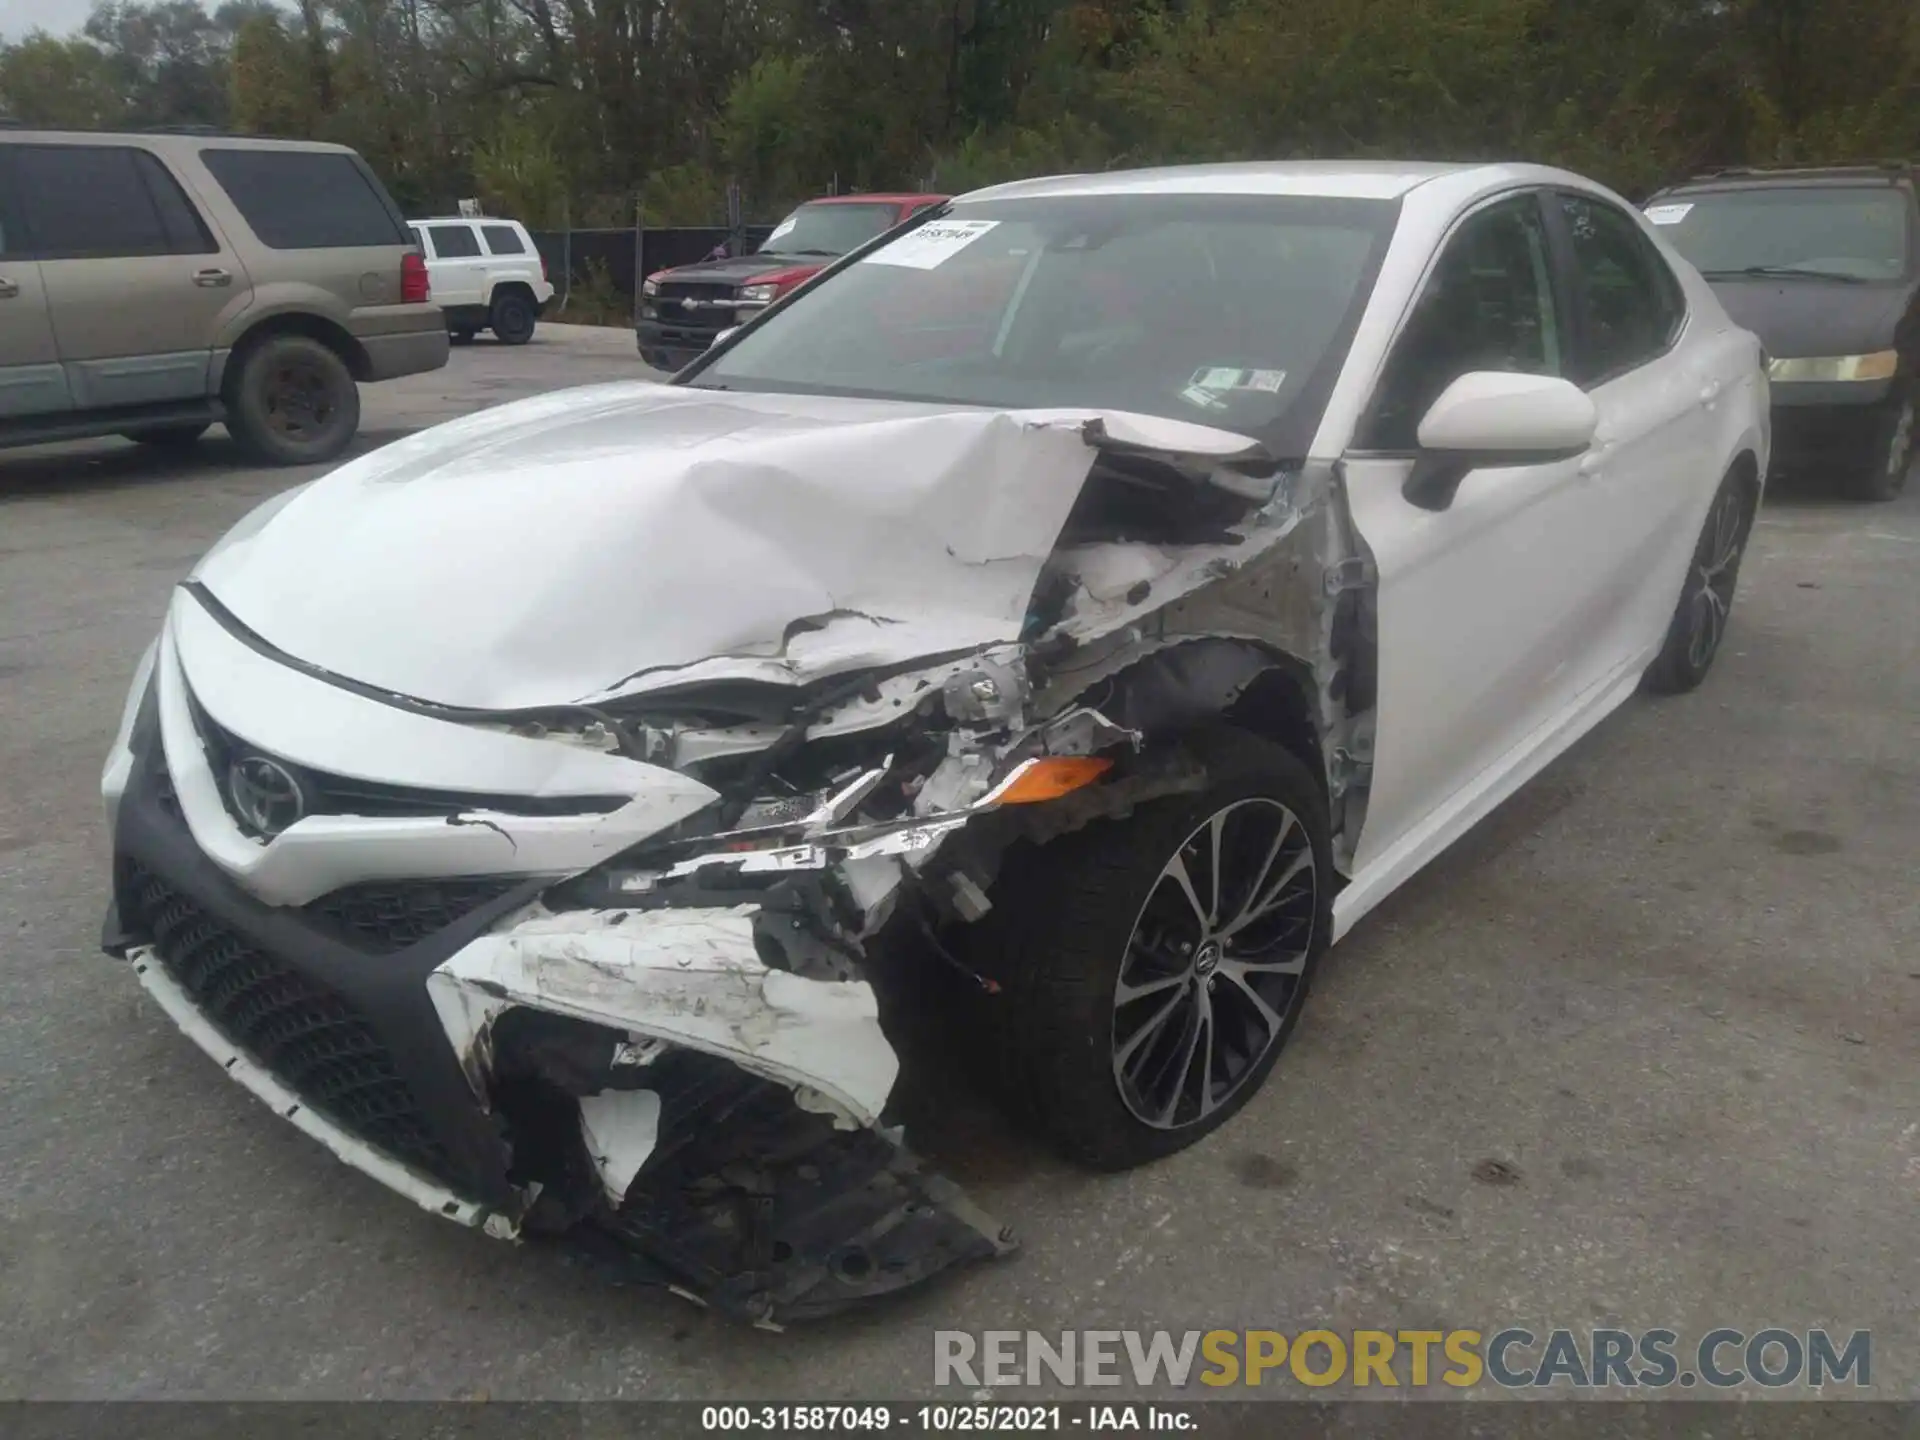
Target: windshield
{"type": "Point", "coordinates": [1232, 311]}
{"type": "Point", "coordinates": [1844, 232]}
{"type": "Point", "coordinates": [834, 229]}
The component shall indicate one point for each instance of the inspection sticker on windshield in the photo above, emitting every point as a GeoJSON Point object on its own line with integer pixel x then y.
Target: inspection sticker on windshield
{"type": "Point", "coordinates": [1217, 378]}
{"type": "Point", "coordinates": [1668, 214]}
{"type": "Point", "coordinates": [933, 244]}
{"type": "Point", "coordinates": [785, 227]}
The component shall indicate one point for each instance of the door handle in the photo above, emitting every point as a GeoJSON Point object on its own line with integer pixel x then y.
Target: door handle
{"type": "Point", "coordinates": [9, 289]}
{"type": "Point", "coordinates": [212, 279]}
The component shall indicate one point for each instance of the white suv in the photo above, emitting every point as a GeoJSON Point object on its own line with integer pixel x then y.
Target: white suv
{"type": "Point", "coordinates": [487, 275]}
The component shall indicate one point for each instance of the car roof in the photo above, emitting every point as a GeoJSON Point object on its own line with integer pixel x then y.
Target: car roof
{"type": "Point", "coordinates": [161, 138]}
{"type": "Point", "coordinates": [1742, 177]}
{"type": "Point", "coordinates": [890, 198]}
{"type": "Point", "coordinates": [1354, 179]}
{"type": "Point", "coordinates": [463, 220]}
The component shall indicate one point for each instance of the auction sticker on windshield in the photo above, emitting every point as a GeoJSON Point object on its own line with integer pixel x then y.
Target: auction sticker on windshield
{"type": "Point", "coordinates": [932, 245]}
{"type": "Point", "coordinates": [1668, 214]}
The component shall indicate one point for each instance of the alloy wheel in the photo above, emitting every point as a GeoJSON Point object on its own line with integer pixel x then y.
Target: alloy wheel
{"type": "Point", "coordinates": [1716, 567]}
{"type": "Point", "coordinates": [1215, 965]}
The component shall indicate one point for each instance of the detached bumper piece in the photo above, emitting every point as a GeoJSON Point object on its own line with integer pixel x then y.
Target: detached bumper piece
{"type": "Point", "coordinates": [771, 1215]}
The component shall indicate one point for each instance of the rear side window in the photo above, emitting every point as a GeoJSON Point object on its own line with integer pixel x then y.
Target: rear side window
{"type": "Point", "coordinates": [103, 202]}
{"type": "Point", "coordinates": [503, 240]}
{"type": "Point", "coordinates": [1630, 304]}
{"type": "Point", "coordinates": [453, 242]}
{"type": "Point", "coordinates": [306, 199]}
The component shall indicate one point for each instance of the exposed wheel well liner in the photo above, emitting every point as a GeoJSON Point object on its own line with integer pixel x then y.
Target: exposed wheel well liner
{"type": "Point", "coordinates": [1208, 680]}
{"type": "Point", "coordinates": [315, 327]}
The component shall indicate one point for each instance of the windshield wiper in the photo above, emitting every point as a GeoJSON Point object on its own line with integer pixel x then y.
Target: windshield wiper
{"type": "Point", "coordinates": [1790, 272]}
{"type": "Point", "coordinates": [830, 254]}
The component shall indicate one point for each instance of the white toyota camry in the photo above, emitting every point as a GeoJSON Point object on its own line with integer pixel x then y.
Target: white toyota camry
{"type": "Point", "coordinates": [1093, 597]}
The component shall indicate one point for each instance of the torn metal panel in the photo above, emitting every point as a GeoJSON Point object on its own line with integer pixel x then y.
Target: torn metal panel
{"type": "Point", "coordinates": [691, 977]}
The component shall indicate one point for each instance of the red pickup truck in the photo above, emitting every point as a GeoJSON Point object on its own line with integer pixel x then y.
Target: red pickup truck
{"type": "Point", "coordinates": [683, 309]}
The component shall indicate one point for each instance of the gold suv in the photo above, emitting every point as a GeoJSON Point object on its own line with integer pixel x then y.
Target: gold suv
{"type": "Point", "coordinates": [152, 284]}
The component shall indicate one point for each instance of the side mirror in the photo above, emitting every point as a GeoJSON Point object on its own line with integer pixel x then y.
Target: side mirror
{"type": "Point", "coordinates": [1488, 419]}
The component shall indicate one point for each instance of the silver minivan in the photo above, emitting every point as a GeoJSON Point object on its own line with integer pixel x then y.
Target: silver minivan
{"type": "Point", "coordinates": [153, 284]}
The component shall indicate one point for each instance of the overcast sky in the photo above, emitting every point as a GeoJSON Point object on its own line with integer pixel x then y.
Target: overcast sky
{"type": "Point", "coordinates": [62, 17]}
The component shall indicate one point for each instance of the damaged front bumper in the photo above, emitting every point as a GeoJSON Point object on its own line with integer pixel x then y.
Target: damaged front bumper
{"type": "Point", "coordinates": [693, 1081]}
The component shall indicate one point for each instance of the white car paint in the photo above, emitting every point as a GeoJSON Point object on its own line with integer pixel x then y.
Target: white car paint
{"type": "Point", "coordinates": [1491, 412]}
{"type": "Point", "coordinates": [690, 977]}
{"type": "Point", "coordinates": [594, 543]}
{"type": "Point", "coordinates": [321, 725]}
{"type": "Point", "coordinates": [467, 260]}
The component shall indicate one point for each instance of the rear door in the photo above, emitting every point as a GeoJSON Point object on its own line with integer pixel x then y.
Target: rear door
{"type": "Point", "coordinates": [459, 269]}
{"type": "Point", "coordinates": [31, 380]}
{"type": "Point", "coordinates": [1658, 383]}
{"type": "Point", "coordinates": [138, 284]}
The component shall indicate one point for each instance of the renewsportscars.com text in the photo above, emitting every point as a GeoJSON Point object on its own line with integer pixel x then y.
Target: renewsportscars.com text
{"type": "Point", "coordinates": [1511, 1358]}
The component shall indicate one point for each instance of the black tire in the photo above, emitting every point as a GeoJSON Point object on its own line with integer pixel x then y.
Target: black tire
{"type": "Point", "coordinates": [460, 335]}
{"type": "Point", "coordinates": [1699, 623]}
{"type": "Point", "coordinates": [1075, 917]}
{"type": "Point", "coordinates": [513, 317]}
{"type": "Point", "coordinates": [169, 437]}
{"type": "Point", "coordinates": [292, 401]}
{"type": "Point", "coordinates": [1893, 455]}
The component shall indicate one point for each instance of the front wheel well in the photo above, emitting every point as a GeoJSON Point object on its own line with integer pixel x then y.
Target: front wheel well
{"type": "Point", "coordinates": [314, 327]}
{"type": "Point", "coordinates": [1217, 680]}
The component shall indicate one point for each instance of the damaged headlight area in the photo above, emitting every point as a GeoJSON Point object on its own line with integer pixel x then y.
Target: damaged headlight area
{"type": "Point", "coordinates": [684, 1044]}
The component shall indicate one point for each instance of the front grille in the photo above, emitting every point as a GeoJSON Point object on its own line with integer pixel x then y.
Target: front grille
{"type": "Point", "coordinates": [387, 915]}
{"type": "Point", "coordinates": [323, 793]}
{"type": "Point", "coordinates": [312, 1039]}
{"type": "Point", "coordinates": [670, 305]}
{"type": "Point", "coordinates": [694, 290]}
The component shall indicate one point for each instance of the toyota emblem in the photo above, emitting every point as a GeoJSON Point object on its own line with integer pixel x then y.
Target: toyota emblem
{"type": "Point", "coordinates": [265, 794]}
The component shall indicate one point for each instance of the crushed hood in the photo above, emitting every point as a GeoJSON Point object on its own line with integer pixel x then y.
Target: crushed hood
{"type": "Point", "coordinates": [597, 540]}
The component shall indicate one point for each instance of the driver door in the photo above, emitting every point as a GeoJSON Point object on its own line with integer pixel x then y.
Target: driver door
{"type": "Point", "coordinates": [1480, 640]}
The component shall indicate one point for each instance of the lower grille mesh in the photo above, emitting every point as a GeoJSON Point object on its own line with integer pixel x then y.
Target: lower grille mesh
{"type": "Point", "coordinates": [384, 916]}
{"type": "Point", "coordinates": [312, 1039]}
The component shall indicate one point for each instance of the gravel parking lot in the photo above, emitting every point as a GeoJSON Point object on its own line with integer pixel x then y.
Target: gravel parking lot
{"type": "Point", "coordinates": [1641, 1051]}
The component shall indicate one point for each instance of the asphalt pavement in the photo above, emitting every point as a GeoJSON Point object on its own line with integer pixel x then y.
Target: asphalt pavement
{"type": "Point", "coordinates": [1640, 1051]}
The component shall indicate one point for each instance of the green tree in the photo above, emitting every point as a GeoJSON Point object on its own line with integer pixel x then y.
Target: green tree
{"type": "Point", "coordinates": [44, 81]}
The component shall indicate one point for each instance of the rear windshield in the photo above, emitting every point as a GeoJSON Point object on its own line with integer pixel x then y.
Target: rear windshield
{"type": "Point", "coordinates": [1850, 232]}
{"type": "Point", "coordinates": [307, 199]}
